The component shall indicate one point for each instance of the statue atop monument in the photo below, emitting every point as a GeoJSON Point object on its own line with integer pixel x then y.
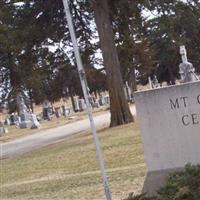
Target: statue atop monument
{"type": "Point", "coordinates": [22, 106]}
{"type": "Point", "coordinates": [186, 69]}
{"type": "Point", "coordinates": [27, 119]}
{"type": "Point", "coordinates": [155, 83]}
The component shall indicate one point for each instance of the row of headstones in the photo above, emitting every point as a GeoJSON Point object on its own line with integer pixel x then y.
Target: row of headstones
{"type": "Point", "coordinates": [49, 112]}
{"type": "Point", "coordinates": [30, 120]}
{"type": "Point", "coordinates": [14, 119]}
{"type": "Point", "coordinates": [80, 104]}
{"type": "Point", "coordinates": [25, 120]}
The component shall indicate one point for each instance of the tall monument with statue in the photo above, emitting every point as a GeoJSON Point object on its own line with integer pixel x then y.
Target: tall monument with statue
{"type": "Point", "coordinates": [27, 119]}
{"type": "Point", "coordinates": [186, 69]}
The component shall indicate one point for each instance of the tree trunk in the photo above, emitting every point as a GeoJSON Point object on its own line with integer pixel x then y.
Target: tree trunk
{"type": "Point", "coordinates": [31, 101]}
{"type": "Point", "coordinates": [72, 98]}
{"type": "Point", "coordinates": [171, 75]}
{"type": "Point", "coordinates": [14, 81]}
{"type": "Point", "coordinates": [132, 80]}
{"type": "Point", "coordinates": [120, 112]}
{"type": "Point", "coordinates": [18, 102]}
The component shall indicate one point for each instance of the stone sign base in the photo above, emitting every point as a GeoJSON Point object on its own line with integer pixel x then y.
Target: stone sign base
{"type": "Point", "coordinates": [155, 180]}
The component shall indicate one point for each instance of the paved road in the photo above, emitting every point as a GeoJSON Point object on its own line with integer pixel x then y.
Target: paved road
{"type": "Point", "coordinates": [54, 135]}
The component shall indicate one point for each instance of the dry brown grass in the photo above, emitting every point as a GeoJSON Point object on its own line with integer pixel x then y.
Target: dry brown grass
{"type": "Point", "coordinates": [69, 170]}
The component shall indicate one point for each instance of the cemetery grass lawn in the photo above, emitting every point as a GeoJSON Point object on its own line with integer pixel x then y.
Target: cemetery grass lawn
{"type": "Point", "coordinates": [69, 170]}
{"type": "Point", "coordinates": [15, 132]}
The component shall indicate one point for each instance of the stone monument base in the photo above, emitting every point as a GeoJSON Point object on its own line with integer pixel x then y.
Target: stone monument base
{"type": "Point", "coordinates": [155, 180]}
{"type": "Point", "coordinates": [26, 124]}
{"type": "Point", "coordinates": [35, 125]}
{"type": "Point", "coordinates": [29, 121]}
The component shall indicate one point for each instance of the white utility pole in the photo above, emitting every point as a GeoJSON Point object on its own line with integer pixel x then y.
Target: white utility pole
{"type": "Point", "coordinates": [86, 96]}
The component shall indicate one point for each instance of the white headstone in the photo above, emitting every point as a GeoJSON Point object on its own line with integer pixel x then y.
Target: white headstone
{"type": "Point", "coordinates": [155, 83]}
{"type": "Point", "coordinates": [102, 101]}
{"type": "Point", "coordinates": [47, 110]}
{"type": "Point", "coordinates": [35, 123]}
{"type": "Point", "coordinates": [7, 121]}
{"type": "Point", "coordinates": [65, 111]}
{"type": "Point", "coordinates": [77, 108]}
{"type": "Point", "coordinates": [3, 129]}
{"type": "Point", "coordinates": [97, 105]}
{"type": "Point", "coordinates": [82, 105]}
{"type": "Point", "coordinates": [107, 99]}
{"type": "Point", "coordinates": [24, 118]}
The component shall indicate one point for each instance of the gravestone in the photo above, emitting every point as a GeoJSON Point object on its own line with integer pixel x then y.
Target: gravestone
{"type": "Point", "coordinates": [69, 111]}
{"type": "Point", "coordinates": [58, 112]}
{"type": "Point", "coordinates": [76, 106]}
{"type": "Point", "coordinates": [82, 105]}
{"type": "Point", "coordinates": [35, 122]}
{"type": "Point", "coordinates": [46, 110]}
{"type": "Point", "coordinates": [3, 129]}
{"type": "Point", "coordinates": [186, 69]}
{"type": "Point", "coordinates": [25, 121]}
{"type": "Point", "coordinates": [29, 120]}
{"type": "Point", "coordinates": [102, 101]}
{"type": "Point", "coordinates": [169, 119]}
{"type": "Point", "coordinates": [92, 101]}
{"type": "Point", "coordinates": [24, 118]}
{"type": "Point", "coordinates": [7, 121]}
{"type": "Point", "coordinates": [155, 83]}
{"type": "Point", "coordinates": [65, 111]}
{"type": "Point", "coordinates": [96, 104]}
{"type": "Point", "coordinates": [12, 119]}
{"type": "Point", "coordinates": [107, 100]}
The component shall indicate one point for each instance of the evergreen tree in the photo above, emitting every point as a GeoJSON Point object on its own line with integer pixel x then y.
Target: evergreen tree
{"type": "Point", "coordinates": [120, 112]}
{"type": "Point", "coordinates": [135, 53]}
{"type": "Point", "coordinates": [176, 23]}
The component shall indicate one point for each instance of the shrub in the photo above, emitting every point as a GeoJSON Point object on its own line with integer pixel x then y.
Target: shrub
{"type": "Point", "coordinates": [183, 185]}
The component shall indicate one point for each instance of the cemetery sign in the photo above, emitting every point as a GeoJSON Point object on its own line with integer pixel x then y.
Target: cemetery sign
{"type": "Point", "coordinates": [170, 124]}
